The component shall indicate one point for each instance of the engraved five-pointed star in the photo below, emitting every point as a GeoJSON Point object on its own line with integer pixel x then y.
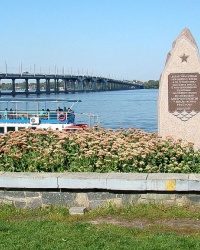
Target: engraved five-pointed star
{"type": "Point", "coordinates": [184, 58]}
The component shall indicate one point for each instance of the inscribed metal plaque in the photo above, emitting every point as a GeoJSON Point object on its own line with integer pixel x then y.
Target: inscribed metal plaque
{"type": "Point", "coordinates": [184, 92]}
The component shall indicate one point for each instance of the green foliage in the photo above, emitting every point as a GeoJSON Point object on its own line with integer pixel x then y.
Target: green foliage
{"type": "Point", "coordinates": [95, 151]}
{"type": "Point", "coordinates": [151, 84]}
{"type": "Point", "coordinates": [6, 86]}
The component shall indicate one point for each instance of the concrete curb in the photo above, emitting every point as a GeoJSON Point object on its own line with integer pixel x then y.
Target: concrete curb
{"type": "Point", "coordinates": [104, 181]}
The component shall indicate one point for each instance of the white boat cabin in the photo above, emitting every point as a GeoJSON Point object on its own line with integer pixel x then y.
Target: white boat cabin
{"type": "Point", "coordinates": [56, 114]}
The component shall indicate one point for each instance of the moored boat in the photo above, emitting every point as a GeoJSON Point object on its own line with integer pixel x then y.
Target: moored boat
{"type": "Point", "coordinates": [51, 113]}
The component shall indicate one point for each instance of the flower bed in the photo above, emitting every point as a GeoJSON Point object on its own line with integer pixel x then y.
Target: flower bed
{"type": "Point", "coordinates": [102, 151]}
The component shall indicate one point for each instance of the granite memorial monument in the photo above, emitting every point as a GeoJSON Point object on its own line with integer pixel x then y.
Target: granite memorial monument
{"type": "Point", "coordinates": [179, 91]}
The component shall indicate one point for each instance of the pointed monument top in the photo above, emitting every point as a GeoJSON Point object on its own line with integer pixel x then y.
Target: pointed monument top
{"type": "Point", "coordinates": [185, 32]}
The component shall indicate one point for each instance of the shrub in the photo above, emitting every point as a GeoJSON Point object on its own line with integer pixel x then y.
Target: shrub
{"type": "Point", "coordinates": [102, 151]}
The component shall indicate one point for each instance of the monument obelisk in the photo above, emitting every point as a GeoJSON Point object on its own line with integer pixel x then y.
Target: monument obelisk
{"type": "Point", "coordinates": [179, 91]}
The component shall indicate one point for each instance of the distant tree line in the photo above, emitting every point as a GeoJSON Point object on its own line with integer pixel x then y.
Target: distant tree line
{"type": "Point", "coordinates": [151, 84]}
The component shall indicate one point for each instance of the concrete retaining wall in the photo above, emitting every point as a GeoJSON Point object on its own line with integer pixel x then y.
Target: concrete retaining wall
{"type": "Point", "coordinates": [94, 189]}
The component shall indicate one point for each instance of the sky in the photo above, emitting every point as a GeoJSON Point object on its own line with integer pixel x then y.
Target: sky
{"type": "Point", "coordinates": [122, 39]}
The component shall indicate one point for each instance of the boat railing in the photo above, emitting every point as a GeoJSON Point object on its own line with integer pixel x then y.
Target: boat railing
{"type": "Point", "coordinates": [21, 116]}
{"type": "Point", "coordinates": [43, 115]}
{"type": "Point", "coordinates": [90, 119]}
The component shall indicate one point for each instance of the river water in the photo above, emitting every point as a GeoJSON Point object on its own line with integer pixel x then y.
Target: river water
{"type": "Point", "coordinates": [116, 109]}
{"type": "Point", "coordinates": [119, 109]}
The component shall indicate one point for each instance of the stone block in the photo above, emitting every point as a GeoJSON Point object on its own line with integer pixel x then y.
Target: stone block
{"type": "Point", "coordinates": [20, 204]}
{"type": "Point", "coordinates": [14, 194]}
{"type": "Point", "coordinates": [182, 200]}
{"type": "Point", "coordinates": [34, 203]}
{"type": "Point", "coordinates": [130, 198]}
{"type": "Point", "coordinates": [116, 201]}
{"type": "Point", "coordinates": [32, 194]}
{"type": "Point", "coordinates": [97, 204]}
{"type": "Point", "coordinates": [58, 198]}
{"type": "Point", "coordinates": [77, 210]}
{"type": "Point", "coordinates": [193, 198]}
{"type": "Point", "coordinates": [82, 199]}
{"type": "Point", "coordinates": [160, 196]}
{"type": "Point", "coordinates": [100, 195]}
{"type": "Point", "coordinates": [6, 202]}
{"type": "Point", "coordinates": [2, 194]}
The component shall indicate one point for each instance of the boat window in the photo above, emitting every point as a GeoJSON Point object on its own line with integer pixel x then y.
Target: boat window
{"type": "Point", "coordinates": [1, 130]}
{"type": "Point", "coordinates": [10, 129]}
{"type": "Point", "coordinates": [20, 128]}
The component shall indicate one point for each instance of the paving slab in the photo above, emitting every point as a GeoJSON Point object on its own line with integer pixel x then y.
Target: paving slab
{"type": "Point", "coordinates": [126, 181]}
{"type": "Point", "coordinates": [194, 182]}
{"type": "Point", "coordinates": [29, 180]}
{"type": "Point", "coordinates": [83, 180]}
{"type": "Point", "coordinates": [167, 182]}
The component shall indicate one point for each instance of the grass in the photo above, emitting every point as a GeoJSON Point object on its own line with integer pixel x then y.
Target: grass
{"type": "Point", "coordinates": [53, 228]}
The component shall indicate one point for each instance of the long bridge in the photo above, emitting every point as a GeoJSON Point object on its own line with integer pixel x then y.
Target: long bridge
{"type": "Point", "coordinates": [61, 83]}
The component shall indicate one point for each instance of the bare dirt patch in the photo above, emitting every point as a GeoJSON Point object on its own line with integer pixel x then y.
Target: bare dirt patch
{"type": "Point", "coordinates": [182, 226]}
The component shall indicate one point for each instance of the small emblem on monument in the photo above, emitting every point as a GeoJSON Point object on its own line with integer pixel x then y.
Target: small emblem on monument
{"type": "Point", "coordinates": [184, 58]}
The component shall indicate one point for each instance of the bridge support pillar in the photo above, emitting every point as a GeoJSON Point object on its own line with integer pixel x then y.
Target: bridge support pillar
{"type": "Point", "coordinates": [56, 87]}
{"type": "Point", "coordinates": [38, 86]}
{"type": "Point", "coordinates": [116, 86]}
{"type": "Point", "coordinates": [87, 85]}
{"type": "Point", "coordinates": [13, 87]}
{"type": "Point", "coordinates": [72, 85]}
{"type": "Point", "coordinates": [100, 85]}
{"type": "Point", "coordinates": [80, 85]}
{"type": "Point", "coordinates": [26, 86]}
{"type": "Point", "coordinates": [105, 87]}
{"type": "Point", "coordinates": [65, 86]}
{"type": "Point", "coordinates": [109, 85]}
{"type": "Point", "coordinates": [93, 84]}
{"type": "Point", "coordinates": [48, 86]}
